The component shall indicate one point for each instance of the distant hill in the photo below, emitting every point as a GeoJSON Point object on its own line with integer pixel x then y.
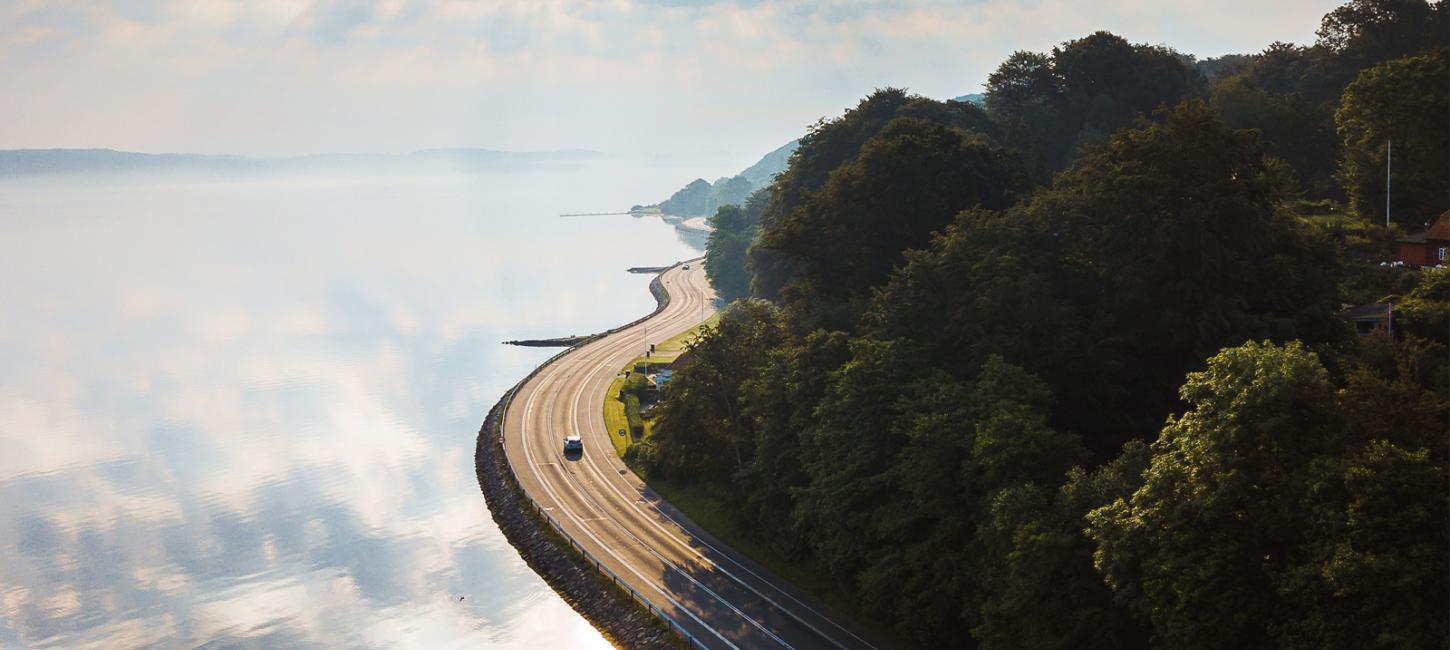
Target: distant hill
{"type": "Point", "coordinates": [763, 172]}
{"type": "Point", "coordinates": [979, 99]}
{"type": "Point", "coordinates": [18, 162]}
{"type": "Point", "coordinates": [59, 161]}
{"type": "Point", "coordinates": [700, 198]}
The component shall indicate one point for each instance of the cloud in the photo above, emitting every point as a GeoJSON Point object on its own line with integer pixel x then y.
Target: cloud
{"type": "Point", "coordinates": [630, 76]}
{"type": "Point", "coordinates": [267, 397]}
{"type": "Point", "coordinates": [331, 22]}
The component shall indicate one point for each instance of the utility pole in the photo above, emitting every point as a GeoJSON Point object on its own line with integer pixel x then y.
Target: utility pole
{"type": "Point", "coordinates": [1389, 158]}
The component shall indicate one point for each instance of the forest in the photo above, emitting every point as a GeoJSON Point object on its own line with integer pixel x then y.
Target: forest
{"type": "Point", "coordinates": [1071, 369]}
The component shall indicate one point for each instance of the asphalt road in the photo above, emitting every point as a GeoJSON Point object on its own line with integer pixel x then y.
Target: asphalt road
{"type": "Point", "coordinates": [721, 598]}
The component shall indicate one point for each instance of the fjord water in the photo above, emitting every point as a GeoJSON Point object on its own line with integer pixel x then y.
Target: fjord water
{"type": "Point", "coordinates": [243, 412]}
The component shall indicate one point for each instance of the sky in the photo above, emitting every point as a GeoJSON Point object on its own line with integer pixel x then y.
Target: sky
{"type": "Point", "coordinates": [631, 77]}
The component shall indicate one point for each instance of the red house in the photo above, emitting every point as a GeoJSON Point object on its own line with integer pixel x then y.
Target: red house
{"type": "Point", "coordinates": [1429, 248]}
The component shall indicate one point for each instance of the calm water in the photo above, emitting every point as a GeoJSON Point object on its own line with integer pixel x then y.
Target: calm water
{"type": "Point", "coordinates": [244, 413]}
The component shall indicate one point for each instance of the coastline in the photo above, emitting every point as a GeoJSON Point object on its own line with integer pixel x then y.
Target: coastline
{"type": "Point", "coordinates": [609, 608]}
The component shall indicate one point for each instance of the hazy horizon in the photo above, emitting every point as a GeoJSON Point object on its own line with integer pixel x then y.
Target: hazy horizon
{"type": "Point", "coordinates": [727, 81]}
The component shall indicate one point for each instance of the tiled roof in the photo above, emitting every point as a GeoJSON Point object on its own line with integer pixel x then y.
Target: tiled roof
{"type": "Point", "coordinates": [1440, 229]}
{"type": "Point", "coordinates": [1375, 311]}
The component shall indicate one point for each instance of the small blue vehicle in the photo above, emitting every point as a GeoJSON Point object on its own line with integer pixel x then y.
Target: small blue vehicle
{"type": "Point", "coordinates": [573, 444]}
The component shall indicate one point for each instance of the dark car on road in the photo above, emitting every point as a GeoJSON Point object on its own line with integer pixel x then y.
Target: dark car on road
{"type": "Point", "coordinates": [573, 444]}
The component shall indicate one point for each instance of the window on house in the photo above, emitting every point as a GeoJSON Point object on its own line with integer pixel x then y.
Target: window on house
{"type": "Point", "coordinates": [1442, 253]}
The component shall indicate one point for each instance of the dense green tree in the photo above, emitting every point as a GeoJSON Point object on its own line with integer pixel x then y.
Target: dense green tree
{"type": "Point", "coordinates": [701, 434]}
{"type": "Point", "coordinates": [1424, 310]}
{"type": "Point", "coordinates": [1264, 520]}
{"type": "Point", "coordinates": [1148, 255]}
{"type": "Point", "coordinates": [1286, 68]}
{"type": "Point", "coordinates": [1373, 566]}
{"type": "Point", "coordinates": [966, 443]}
{"type": "Point", "coordinates": [1290, 92]}
{"type": "Point", "coordinates": [1176, 230]}
{"type": "Point", "coordinates": [1044, 592]}
{"type": "Point", "coordinates": [727, 191]}
{"type": "Point", "coordinates": [781, 401]}
{"type": "Point", "coordinates": [1110, 82]}
{"type": "Point", "coordinates": [1053, 107]}
{"type": "Point", "coordinates": [1403, 367]}
{"type": "Point", "coordinates": [849, 455]}
{"type": "Point", "coordinates": [1363, 33]}
{"type": "Point", "coordinates": [1025, 97]}
{"type": "Point", "coordinates": [893, 516]}
{"type": "Point", "coordinates": [846, 238]}
{"type": "Point", "coordinates": [828, 145]}
{"type": "Point", "coordinates": [734, 228]}
{"type": "Point", "coordinates": [1294, 128]}
{"type": "Point", "coordinates": [1218, 68]}
{"type": "Point", "coordinates": [1188, 549]}
{"type": "Point", "coordinates": [935, 414]}
{"type": "Point", "coordinates": [1403, 101]}
{"type": "Point", "coordinates": [995, 284]}
{"type": "Point", "coordinates": [690, 201]}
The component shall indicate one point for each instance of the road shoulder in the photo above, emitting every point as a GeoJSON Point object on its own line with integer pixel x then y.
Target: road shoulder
{"type": "Point", "coordinates": [608, 607]}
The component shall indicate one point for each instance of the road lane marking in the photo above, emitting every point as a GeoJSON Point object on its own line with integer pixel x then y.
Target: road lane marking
{"type": "Point", "coordinates": [528, 455]}
{"type": "Point", "coordinates": [603, 366]}
{"type": "Point", "coordinates": [573, 410]}
{"type": "Point", "coordinates": [605, 348]}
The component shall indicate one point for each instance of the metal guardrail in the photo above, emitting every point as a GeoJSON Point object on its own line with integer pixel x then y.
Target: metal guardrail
{"type": "Point", "coordinates": [674, 625]}
{"type": "Point", "coordinates": [690, 639]}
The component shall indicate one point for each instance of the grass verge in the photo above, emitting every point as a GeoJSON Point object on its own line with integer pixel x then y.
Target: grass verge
{"type": "Point", "coordinates": [706, 509]}
{"type": "Point", "coordinates": [614, 418]}
{"type": "Point", "coordinates": [679, 342]}
{"type": "Point", "coordinates": [703, 505]}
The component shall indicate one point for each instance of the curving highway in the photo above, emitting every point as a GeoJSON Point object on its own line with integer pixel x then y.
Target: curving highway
{"type": "Point", "coordinates": [718, 597]}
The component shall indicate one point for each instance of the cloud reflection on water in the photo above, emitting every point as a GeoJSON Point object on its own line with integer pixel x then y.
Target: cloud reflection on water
{"type": "Point", "coordinates": [244, 414]}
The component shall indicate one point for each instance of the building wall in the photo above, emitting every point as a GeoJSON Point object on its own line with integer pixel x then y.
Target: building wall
{"type": "Point", "coordinates": [1412, 254]}
{"type": "Point", "coordinates": [1426, 254]}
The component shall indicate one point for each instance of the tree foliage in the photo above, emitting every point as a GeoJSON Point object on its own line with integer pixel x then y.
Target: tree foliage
{"type": "Point", "coordinates": [1403, 101]}
{"type": "Point", "coordinates": [1165, 245]}
{"type": "Point", "coordinates": [734, 228]}
{"type": "Point", "coordinates": [701, 423]}
{"type": "Point", "coordinates": [1290, 92]}
{"type": "Point", "coordinates": [949, 394]}
{"type": "Point", "coordinates": [1366, 32]}
{"type": "Point", "coordinates": [1053, 107]}
{"type": "Point", "coordinates": [1256, 524]}
{"type": "Point", "coordinates": [689, 201]}
{"type": "Point", "coordinates": [830, 144]}
{"type": "Point", "coordinates": [907, 182]}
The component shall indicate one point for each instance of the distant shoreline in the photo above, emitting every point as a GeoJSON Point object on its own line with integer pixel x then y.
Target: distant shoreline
{"type": "Point", "coordinates": [29, 162]}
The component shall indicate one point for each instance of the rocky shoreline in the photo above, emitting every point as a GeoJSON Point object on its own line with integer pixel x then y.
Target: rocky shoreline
{"type": "Point", "coordinates": [560, 342]}
{"type": "Point", "coordinates": [611, 610]}
{"type": "Point", "coordinates": [607, 607]}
